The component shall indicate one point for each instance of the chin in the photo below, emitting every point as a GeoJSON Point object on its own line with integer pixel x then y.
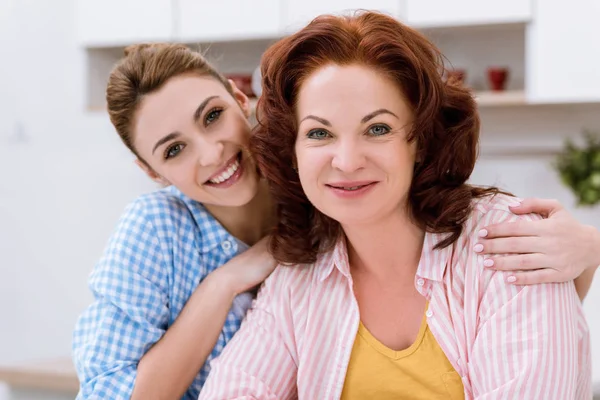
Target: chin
{"type": "Point", "coordinates": [243, 195]}
{"type": "Point", "coordinates": [355, 217]}
{"type": "Point", "coordinates": [342, 216]}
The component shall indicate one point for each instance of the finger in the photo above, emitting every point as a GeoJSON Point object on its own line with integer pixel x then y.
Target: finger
{"type": "Point", "coordinates": [544, 207]}
{"type": "Point", "coordinates": [521, 262]}
{"type": "Point", "coordinates": [510, 245]}
{"type": "Point", "coordinates": [534, 277]}
{"type": "Point", "coordinates": [512, 228]}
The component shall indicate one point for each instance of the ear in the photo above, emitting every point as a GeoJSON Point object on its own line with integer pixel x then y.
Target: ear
{"type": "Point", "coordinates": [151, 173]}
{"type": "Point", "coordinates": [241, 98]}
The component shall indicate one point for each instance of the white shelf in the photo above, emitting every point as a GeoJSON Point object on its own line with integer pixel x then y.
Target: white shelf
{"type": "Point", "coordinates": [501, 99]}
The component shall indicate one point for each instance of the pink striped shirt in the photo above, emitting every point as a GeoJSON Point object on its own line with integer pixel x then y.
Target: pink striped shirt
{"type": "Point", "coordinates": [505, 341]}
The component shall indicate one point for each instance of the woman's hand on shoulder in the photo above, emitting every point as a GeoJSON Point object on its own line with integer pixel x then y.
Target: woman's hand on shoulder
{"type": "Point", "coordinates": [248, 269]}
{"type": "Point", "coordinates": [557, 248]}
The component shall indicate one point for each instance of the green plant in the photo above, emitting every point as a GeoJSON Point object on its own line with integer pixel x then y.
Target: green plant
{"type": "Point", "coordinates": [579, 168]}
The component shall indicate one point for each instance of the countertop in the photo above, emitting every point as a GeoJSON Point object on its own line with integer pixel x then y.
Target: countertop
{"type": "Point", "coordinates": [49, 375]}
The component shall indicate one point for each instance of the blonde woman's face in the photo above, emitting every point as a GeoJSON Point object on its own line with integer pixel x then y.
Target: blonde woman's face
{"type": "Point", "coordinates": [193, 134]}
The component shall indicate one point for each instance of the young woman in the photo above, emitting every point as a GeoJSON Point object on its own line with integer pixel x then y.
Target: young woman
{"type": "Point", "coordinates": [367, 152]}
{"type": "Point", "coordinates": [172, 286]}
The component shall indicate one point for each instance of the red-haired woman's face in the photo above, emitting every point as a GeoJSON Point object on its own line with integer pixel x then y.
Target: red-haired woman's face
{"type": "Point", "coordinates": [354, 161]}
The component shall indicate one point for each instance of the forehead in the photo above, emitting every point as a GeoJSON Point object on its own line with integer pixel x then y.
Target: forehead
{"type": "Point", "coordinates": [173, 105]}
{"type": "Point", "coordinates": [352, 88]}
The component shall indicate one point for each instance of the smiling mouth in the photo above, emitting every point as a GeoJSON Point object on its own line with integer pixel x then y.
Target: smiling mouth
{"type": "Point", "coordinates": [228, 171]}
{"type": "Point", "coordinates": [351, 188]}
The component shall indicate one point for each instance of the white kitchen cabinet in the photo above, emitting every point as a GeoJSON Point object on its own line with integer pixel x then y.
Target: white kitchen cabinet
{"type": "Point", "coordinates": [8, 32]}
{"type": "Point", "coordinates": [297, 14]}
{"type": "Point", "coordinates": [563, 52]}
{"type": "Point", "coordinates": [441, 13]}
{"type": "Point", "coordinates": [107, 23]}
{"type": "Point", "coordinates": [228, 20]}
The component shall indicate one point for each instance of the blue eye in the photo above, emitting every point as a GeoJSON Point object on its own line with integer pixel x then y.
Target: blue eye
{"type": "Point", "coordinates": [212, 116]}
{"type": "Point", "coordinates": [318, 134]}
{"type": "Point", "coordinates": [173, 151]}
{"type": "Point", "coordinates": [379, 130]}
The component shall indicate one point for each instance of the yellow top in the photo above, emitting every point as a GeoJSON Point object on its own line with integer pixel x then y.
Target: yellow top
{"type": "Point", "coordinates": [421, 371]}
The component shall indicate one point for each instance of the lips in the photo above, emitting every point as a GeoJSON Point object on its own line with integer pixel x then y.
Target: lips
{"type": "Point", "coordinates": [227, 171]}
{"type": "Point", "coordinates": [350, 186]}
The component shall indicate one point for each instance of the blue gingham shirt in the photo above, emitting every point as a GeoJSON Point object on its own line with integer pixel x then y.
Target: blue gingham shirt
{"type": "Point", "coordinates": [164, 245]}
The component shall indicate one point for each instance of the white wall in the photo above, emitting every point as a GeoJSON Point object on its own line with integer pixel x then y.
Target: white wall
{"type": "Point", "coordinates": [65, 179]}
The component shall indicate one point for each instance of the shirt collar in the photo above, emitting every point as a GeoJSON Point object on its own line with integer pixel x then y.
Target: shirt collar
{"type": "Point", "coordinates": [432, 265]}
{"type": "Point", "coordinates": [336, 258]}
{"type": "Point", "coordinates": [211, 231]}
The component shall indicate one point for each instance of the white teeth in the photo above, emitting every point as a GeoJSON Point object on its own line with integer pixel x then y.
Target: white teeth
{"type": "Point", "coordinates": [227, 173]}
{"type": "Point", "coordinates": [352, 188]}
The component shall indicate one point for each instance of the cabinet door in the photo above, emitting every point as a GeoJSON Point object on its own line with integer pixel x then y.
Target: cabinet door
{"type": "Point", "coordinates": [432, 13]}
{"type": "Point", "coordinates": [298, 13]}
{"type": "Point", "coordinates": [105, 23]}
{"type": "Point", "coordinates": [9, 30]}
{"type": "Point", "coordinates": [228, 20]}
{"type": "Point", "coordinates": [563, 52]}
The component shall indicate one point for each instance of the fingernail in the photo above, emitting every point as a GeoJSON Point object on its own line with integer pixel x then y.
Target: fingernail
{"type": "Point", "coordinates": [478, 248]}
{"type": "Point", "coordinates": [511, 279]}
{"type": "Point", "coordinates": [516, 202]}
{"type": "Point", "coordinates": [483, 233]}
{"type": "Point", "coordinates": [488, 262]}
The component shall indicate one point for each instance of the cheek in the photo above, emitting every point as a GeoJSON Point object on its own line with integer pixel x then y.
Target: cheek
{"type": "Point", "coordinates": [182, 171]}
{"type": "Point", "coordinates": [398, 159]}
{"type": "Point", "coordinates": [312, 173]}
{"type": "Point", "coordinates": [238, 129]}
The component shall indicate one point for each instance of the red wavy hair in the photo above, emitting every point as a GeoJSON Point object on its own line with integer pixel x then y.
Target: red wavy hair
{"type": "Point", "coordinates": [446, 127]}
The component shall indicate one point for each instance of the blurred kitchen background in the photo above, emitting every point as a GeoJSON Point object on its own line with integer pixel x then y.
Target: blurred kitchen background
{"type": "Point", "coordinates": [535, 65]}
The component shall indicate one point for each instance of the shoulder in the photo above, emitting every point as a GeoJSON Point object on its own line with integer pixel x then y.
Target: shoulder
{"type": "Point", "coordinates": [292, 278]}
{"type": "Point", "coordinates": [496, 208]}
{"type": "Point", "coordinates": [166, 212]}
{"type": "Point", "coordinates": [294, 286]}
{"type": "Point", "coordinates": [289, 284]}
{"type": "Point", "coordinates": [149, 229]}
{"type": "Point", "coordinates": [491, 210]}
{"type": "Point", "coordinates": [158, 206]}
{"type": "Point", "coordinates": [486, 211]}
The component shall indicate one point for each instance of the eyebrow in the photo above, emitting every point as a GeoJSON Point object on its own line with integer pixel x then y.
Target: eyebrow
{"type": "Point", "coordinates": [201, 107]}
{"type": "Point", "coordinates": [366, 118]}
{"type": "Point", "coordinates": [318, 119]}
{"type": "Point", "coordinates": [375, 113]}
{"type": "Point", "coordinates": [197, 114]}
{"type": "Point", "coordinates": [165, 139]}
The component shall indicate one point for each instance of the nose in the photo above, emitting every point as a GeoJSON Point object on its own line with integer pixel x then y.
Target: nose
{"type": "Point", "coordinates": [211, 152]}
{"type": "Point", "coordinates": [348, 155]}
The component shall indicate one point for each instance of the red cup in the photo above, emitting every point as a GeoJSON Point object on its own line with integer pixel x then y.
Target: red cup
{"type": "Point", "coordinates": [497, 77]}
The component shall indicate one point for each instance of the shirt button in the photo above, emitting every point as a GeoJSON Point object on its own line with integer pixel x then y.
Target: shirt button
{"type": "Point", "coordinates": [429, 314]}
{"type": "Point", "coordinates": [420, 282]}
{"type": "Point", "coordinates": [226, 245]}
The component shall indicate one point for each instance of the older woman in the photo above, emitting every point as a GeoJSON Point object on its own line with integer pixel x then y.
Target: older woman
{"type": "Point", "coordinates": [368, 152]}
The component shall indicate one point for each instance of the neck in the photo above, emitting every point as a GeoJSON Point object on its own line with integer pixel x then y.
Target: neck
{"type": "Point", "coordinates": [389, 248]}
{"type": "Point", "coordinates": [250, 222]}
